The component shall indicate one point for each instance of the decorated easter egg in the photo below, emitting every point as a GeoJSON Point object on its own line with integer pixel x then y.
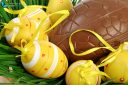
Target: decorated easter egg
{"type": "Point", "coordinates": [37, 15]}
{"type": "Point", "coordinates": [21, 30]}
{"type": "Point", "coordinates": [118, 67]}
{"type": "Point", "coordinates": [57, 5]}
{"type": "Point", "coordinates": [108, 18]}
{"type": "Point", "coordinates": [83, 72]}
{"type": "Point", "coordinates": [44, 59]}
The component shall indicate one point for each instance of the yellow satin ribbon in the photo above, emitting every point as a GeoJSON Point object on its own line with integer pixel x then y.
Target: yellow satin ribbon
{"type": "Point", "coordinates": [86, 71]}
{"type": "Point", "coordinates": [16, 11]}
{"type": "Point", "coordinates": [106, 61]}
{"type": "Point", "coordinates": [21, 11]}
{"type": "Point", "coordinates": [65, 14]}
{"type": "Point", "coordinates": [13, 11]}
{"type": "Point", "coordinates": [11, 26]}
{"type": "Point", "coordinates": [111, 57]}
{"type": "Point", "coordinates": [107, 46]}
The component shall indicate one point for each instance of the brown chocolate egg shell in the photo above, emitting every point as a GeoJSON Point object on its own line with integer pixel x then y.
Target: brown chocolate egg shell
{"type": "Point", "coordinates": [109, 18]}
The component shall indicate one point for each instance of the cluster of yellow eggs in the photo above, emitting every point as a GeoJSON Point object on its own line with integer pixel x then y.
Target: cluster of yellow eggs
{"type": "Point", "coordinates": [27, 32]}
{"type": "Point", "coordinates": [21, 29]}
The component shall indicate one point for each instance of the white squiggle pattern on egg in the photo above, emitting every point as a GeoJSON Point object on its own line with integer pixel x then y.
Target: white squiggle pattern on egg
{"type": "Point", "coordinates": [16, 20]}
{"type": "Point", "coordinates": [10, 35]}
{"type": "Point", "coordinates": [54, 63]}
{"type": "Point", "coordinates": [34, 13]}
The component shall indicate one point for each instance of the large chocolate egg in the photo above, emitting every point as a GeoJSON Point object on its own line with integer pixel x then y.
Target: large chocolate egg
{"type": "Point", "coordinates": [108, 18]}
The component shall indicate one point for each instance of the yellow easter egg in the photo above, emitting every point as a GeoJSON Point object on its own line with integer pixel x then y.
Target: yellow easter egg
{"type": "Point", "coordinates": [83, 72]}
{"type": "Point", "coordinates": [44, 59]}
{"type": "Point", "coordinates": [36, 14]}
{"type": "Point", "coordinates": [20, 31]}
{"type": "Point", "coordinates": [58, 5]}
{"type": "Point", "coordinates": [15, 31]}
{"type": "Point", "coordinates": [118, 68]}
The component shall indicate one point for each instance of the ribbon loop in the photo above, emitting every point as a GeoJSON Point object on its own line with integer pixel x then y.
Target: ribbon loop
{"type": "Point", "coordinates": [107, 46]}
{"type": "Point", "coordinates": [66, 14]}
{"type": "Point", "coordinates": [111, 57]}
{"type": "Point", "coordinates": [13, 11]}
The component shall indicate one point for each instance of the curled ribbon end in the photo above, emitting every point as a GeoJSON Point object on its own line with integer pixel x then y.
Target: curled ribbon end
{"type": "Point", "coordinates": [18, 56]}
{"type": "Point", "coordinates": [13, 11]}
{"type": "Point", "coordinates": [44, 7]}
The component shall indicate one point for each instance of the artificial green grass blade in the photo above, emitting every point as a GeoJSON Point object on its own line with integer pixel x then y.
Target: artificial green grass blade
{"type": "Point", "coordinates": [29, 2]}
{"type": "Point", "coordinates": [16, 4]}
{"type": "Point", "coordinates": [8, 63]}
{"type": "Point", "coordinates": [4, 15]}
{"type": "Point", "coordinates": [34, 2]}
{"type": "Point", "coordinates": [7, 57]}
{"type": "Point", "coordinates": [6, 49]}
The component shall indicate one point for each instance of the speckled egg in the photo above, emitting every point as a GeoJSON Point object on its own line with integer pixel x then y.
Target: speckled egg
{"type": "Point", "coordinates": [22, 28]}
{"type": "Point", "coordinates": [44, 59]}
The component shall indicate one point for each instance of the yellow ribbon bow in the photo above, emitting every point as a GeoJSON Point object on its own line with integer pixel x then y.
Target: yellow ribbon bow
{"type": "Point", "coordinates": [87, 71]}
{"type": "Point", "coordinates": [111, 57]}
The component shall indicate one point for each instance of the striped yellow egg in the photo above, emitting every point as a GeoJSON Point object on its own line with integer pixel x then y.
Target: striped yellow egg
{"type": "Point", "coordinates": [14, 30]}
{"type": "Point", "coordinates": [82, 72]}
{"type": "Point", "coordinates": [36, 14]}
{"type": "Point", "coordinates": [44, 59]}
{"type": "Point", "coordinates": [23, 28]}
